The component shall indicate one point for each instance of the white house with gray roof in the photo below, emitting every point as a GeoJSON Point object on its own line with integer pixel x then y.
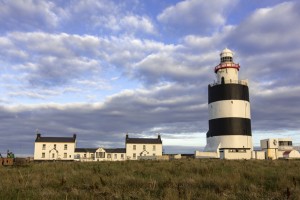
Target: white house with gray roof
{"type": "Point", "coordinates": [143, 148]}
{"type": "Point", "coordinates": [64, 148]}
{"type": "Point", "coordinates": [54, 148]}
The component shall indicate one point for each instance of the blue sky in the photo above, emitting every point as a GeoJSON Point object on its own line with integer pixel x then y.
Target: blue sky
{"type": "Point", "coordinates": [102, 68]}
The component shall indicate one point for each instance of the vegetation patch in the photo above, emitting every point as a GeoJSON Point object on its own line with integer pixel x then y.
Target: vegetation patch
{"type": "Point", "coordinates": [177, 179]}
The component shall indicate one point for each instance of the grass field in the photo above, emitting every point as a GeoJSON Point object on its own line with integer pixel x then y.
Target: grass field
{"type": "Point", "coordinates": [178, 179]}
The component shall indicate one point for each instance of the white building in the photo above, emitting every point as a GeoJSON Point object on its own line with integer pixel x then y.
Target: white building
{"type": "Point", "coordinates": [100, 154]}
{"type": "Point", "coordinates": [54, 148]}
{"type": "Point", "coordinates": [85, 154]}
{"type": "Point", "coordinates": [276, 148]}
{"type": "Point", "coordinates": [143, 148]}
{"type": "Point", "coordinates": [118, 154]}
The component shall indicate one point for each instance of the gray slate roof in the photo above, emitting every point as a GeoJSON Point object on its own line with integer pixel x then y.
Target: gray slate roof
{"type": "Point", "coordinates": [55, 139]}
{"type": "Point", "coordinates": [144, 140]}
{"type": "Point", "coordinates": [86, 150]}
{"type": "Point", "coordinates": [117, 150]}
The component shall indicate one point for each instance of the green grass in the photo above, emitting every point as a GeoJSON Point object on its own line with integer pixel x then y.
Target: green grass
{"type": "Point", "coordinates": [178, 179]}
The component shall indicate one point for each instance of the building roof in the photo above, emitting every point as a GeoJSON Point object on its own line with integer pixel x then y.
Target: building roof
{"type": "Point", "coordinates": [226, 52]}
{"type": "Point", "coordinates": [86, 150]}
{"type": "Point", "coordinates": [117, 150]}
{"type": "Point", "coordinates": [144, 140]}
{"type": "Point", "coordinates": [39, 138]}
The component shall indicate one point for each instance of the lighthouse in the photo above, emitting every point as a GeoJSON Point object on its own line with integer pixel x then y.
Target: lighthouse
{"type": "Point", "coordinates": [229, 133]}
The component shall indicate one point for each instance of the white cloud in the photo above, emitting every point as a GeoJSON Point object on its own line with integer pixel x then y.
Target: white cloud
{"type": "Point", "coordinates": [108, 16]}
{"type": "Point", "coordinates": [138, 23]}
{"type": "Point", "coordinates": [196, 16]}
{"type": "Point", "coordinates": [28, 15]}
{"type": "Point", "coordinates": [274, 29]}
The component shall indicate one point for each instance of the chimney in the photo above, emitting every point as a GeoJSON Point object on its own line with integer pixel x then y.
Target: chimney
{"type": "Point", "coordinates": [159, 137]}
{"type": "Point", "coordinates": [127, 136]}
{"type": "Point", "coordinates": [38, 136]}
{"type": "Point", "coordinates": [74, 136]}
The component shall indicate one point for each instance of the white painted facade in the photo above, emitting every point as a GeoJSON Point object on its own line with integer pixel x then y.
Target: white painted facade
{"type": "Point", "coordinates": [84, 155]}
{"type": "Point", "coordinates": [276, 147]}
{"type": "Point", "coordinates": [46, 148]}
{"type": "Point", "coordinates": [201, 154]}
{"type": "Point", "coordinates": [136, 148]}
{"type": "Point", "coordinates": [134, 151]}
{"type": "Point", "coordinates": [259, 155]}
{"type": "Point", "coordinates": [100, 154]}
{"type": "Point", "coordinates": [235, 154]}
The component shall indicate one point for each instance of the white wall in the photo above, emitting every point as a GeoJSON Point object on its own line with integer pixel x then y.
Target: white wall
{"type": "Point", "coordinates": [199, 154]}
{"type": "Point", "coordinates": [115, 156]}
{"type": "Point", "coordinates": [50, 151]}
{"type": "Point", "coordinates": [226, 154]}
{"type": "Point", "coordinates": [260, 155]}
{"type": "Point", "coordinates": [101, 155]}
{"type": "Point", "coordinates": [84, 156]}
{"type": "Point", "coordinates": [229, 74]}
{"type": "Point", "coordinates": [139, 151]}
{"type": "Point", "coordinates": [228, 141]}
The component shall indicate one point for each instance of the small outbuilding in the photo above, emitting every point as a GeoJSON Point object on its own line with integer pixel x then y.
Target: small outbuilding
{"type": "Point", "coordinates": [291, 154]}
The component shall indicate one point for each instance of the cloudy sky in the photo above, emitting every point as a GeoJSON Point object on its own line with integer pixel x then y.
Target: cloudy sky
{"type": "Point", "coordinates": [102, 68]}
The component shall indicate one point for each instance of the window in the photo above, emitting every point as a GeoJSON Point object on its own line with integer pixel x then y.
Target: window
{"type": "Point", "coordinates": [54, 146]}
{"type": "Point", "coordinates": [134, 155]}
{"type": "Point", "coordinates": [116, 156]}
{"type": "Point", "coordinates": [144, 147]}
{"type": "Point", "coordinates": [101, 154]}
{"type": "Point", "coordinates": [44, 146]}
{"type": "Point", "coordinates": [154, 148]}
{"type": "Point", "coordinates": [122, 156]}
{"type": "Point", "coordinates": [285, 143]}
{"type": "Point", "coordinates": [237, 150]}
{"type": "Point", "coordinates": [43, 155]}
{"type": "Point", "coordinates": [92, 156]}
{"type": "Point", "coordinates": [66, 147]}
{"type": "Point", "coordinates": [84, 155]}
{"type": "Point", "coordinates": [65, 155]}
{"type": "Point", "coordinates": [53, 155]}
{"type": "Point", "coordinates": [108, 155]}
{"type": "Point", "coordinates": [134, 147]}
{"type": "Point", "coordinates": [154, 154]}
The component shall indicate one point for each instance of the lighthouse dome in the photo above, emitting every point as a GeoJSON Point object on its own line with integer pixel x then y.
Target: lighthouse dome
{"type": "Point", "coordinates": [226, 53]}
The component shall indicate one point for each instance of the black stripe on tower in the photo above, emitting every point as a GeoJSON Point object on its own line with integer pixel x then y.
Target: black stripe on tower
{"type": "Point", "coordinates": [229, 126]}
{"type": "Point", "coordinates": [228, 92]}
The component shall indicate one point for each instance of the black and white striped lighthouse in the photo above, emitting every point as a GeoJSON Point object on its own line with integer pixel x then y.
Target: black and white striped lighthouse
{"type": "Point", "coordinates": [229, 108]}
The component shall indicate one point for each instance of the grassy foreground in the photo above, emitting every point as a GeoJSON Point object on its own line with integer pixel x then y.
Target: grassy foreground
{"type": "Point", "coordinates": [178, 179]}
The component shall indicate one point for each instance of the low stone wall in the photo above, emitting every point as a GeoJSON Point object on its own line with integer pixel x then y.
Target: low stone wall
{"type": "Point", "coordinates": [6, 161]}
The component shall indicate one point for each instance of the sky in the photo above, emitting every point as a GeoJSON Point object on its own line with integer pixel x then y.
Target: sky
{"type": "Point", "coordinates": [104, 68]}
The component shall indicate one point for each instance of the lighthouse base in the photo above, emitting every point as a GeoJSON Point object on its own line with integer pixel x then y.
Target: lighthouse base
{"type": "Point", "coordinates": [215, 143]}
{"type": "Point", "coordinates": [231, 147]}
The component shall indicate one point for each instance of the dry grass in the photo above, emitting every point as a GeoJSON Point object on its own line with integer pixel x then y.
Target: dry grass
{"type": "Point", "coordinates": [181, 179]}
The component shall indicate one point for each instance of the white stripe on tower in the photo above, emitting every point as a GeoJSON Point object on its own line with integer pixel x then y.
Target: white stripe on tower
{"type": "Point", "coordinates": [229, 108]}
